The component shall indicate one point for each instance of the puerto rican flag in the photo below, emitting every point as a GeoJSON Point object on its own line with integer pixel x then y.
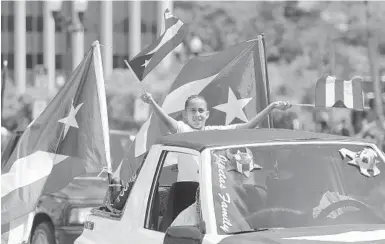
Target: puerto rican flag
{"type": "Point", "coordinates": [234, 83]}
{"type": "Point", "coordinates": [333, 92]}
{"type": "Point", "coordinates": [69, 138]}
{"type": "Point", "coordinates": [151, 56]}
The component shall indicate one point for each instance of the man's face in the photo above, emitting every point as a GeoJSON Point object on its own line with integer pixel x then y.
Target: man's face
{"type": "Point", "coordinates": [196, 113]}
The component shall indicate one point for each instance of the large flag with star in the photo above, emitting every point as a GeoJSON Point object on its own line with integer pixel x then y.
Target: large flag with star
{"type": "Point", "coordinates": [174, 33]}
{"type": "Point", "coordinates": [233, 82]}
{"type": "Point", "coordinates": [68, 139]}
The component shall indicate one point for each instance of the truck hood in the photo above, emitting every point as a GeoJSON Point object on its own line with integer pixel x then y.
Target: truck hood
{"type": "Point", "coordinates": [82, 188]}
{"type": "Point", "coordinates": [324, 235]}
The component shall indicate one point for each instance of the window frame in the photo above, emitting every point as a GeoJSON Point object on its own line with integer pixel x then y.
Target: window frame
{"type": "Point", "coordinates": [156, 177]}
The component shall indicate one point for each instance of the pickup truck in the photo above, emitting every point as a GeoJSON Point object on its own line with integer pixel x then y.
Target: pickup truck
{"type": "Point", "coordinates": [59, 216]}
{"type": "Point", "coordinates": [249, 186]}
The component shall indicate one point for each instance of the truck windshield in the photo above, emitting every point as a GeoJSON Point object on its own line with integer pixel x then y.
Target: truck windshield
{"type": "Point", "coordinates": [297, 185]}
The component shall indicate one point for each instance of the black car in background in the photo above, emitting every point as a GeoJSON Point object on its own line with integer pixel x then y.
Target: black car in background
{"type": "Point", "coordinates": [59, 216]}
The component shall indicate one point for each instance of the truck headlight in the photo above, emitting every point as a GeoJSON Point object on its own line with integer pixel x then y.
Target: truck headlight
{"type": "Point", "coordinates": [78, 215]}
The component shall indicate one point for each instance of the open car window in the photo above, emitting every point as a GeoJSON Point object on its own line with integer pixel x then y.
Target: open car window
{"type": "Point", "coordinates": [287, 186]}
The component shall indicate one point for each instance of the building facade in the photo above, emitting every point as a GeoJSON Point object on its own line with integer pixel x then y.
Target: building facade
{"type": "Point", "coordinates": [56, 34]}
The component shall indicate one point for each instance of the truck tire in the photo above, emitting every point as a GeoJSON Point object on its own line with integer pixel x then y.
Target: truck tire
{"type": "Point", "coordinates": [43, 234]}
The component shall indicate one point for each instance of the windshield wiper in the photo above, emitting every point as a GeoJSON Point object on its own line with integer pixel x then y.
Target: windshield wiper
{"type": "Point", "coordinates": [252, 230]}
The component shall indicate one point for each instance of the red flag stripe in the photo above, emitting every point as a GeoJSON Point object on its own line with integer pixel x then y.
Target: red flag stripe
{"type": "Point", "coordinates": [339, 91]}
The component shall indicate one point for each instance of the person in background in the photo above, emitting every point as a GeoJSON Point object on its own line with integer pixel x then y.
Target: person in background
{"type": "Point", "coordinates": [344, 128]}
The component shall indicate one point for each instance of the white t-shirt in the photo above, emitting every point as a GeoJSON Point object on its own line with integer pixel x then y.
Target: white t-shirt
{"type": "Point", "coordinates": [188, 166]}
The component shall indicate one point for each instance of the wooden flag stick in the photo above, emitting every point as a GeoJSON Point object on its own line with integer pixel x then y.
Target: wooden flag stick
{"type": "Point", "coordinates": [304, 105]}
{"type": "Point", "coordinates": [136, 77]}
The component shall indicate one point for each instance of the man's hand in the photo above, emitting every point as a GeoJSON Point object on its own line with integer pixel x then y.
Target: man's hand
{"type": "Point", "coordinates": [147, 98]}
{"type": "Point", "coordinates": [281, 105]}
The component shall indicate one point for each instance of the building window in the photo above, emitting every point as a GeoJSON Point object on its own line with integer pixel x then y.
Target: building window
{"type": "Point", "coordinates": [40, 24]}
{"type": "Point", "coordinates": [3, 58]}
{"type": "Point", "coordinates": [118, 61]}
{"type": "Point", "coordinates": [115, 61]}
{"type": "Point", "coordinates": [40, 58]}
{"type": "Point", "coordinates": [143, 27]}
{"type": "Point", "coordinates": [10, 60]}
{"type": "Point", "coordinates": [58, 27]}
{"type": "Point", "coordinates": [59, 62]}
{"type": "Point", "coordinates": [126, 25]}
{"type": "Point", "coordinates": [153, 29]}
{"type": "Point", "coordinates": [3, 23]}
{"type": "Point", "coordinates": [29, 23]}
{"type": "Point", "coordinates": [29, 61]}
{"type": "Point", "coordinates": [7, 23]}
{"type": "Point", "coordinates": [10, 23]}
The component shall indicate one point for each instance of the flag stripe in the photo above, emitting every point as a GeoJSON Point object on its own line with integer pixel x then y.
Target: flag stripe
{"type": "Point", "coordinates": [17, 230]}
{"type": "Point", "coordinates": [348, 94]}
{"type": "Point", "coordinates": [338, 91]}
{"type": "Point", "coordinates": [183, 92]}
{"type": "Point", "coordinates": [320, 92]}
{"type": "Point", "coordinates": [22, 200]}
{"type": "Point", "coordinates": [358, 97]}
{"type": "Point", "coordinates": [168, 35]}
{"type": "Point", "coordinates": [169, 19]}
{"type": "Point", "coordinates": [330, 91]}
{"type": "Point", "coordinates": [27, 170]}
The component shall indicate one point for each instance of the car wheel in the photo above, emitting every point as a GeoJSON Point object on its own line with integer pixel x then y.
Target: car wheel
{"type": "Point", "coordinates": [43, 234]}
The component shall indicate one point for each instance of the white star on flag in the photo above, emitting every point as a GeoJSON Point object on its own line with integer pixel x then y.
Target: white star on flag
{"type": "Point", "coordinates": [70, 120]}
{"type": "Point", "coordinates": [146, 62]}
{"type": "Point", "coordinates": [234, 107]}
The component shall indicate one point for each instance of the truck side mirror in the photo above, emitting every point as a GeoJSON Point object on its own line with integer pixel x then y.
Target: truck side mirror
{"type": "Point", "coordinates": [183, 234]}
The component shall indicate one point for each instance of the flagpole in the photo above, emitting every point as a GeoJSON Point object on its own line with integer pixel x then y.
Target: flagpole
{"type": "Point", "coordinates": [136, 77]}
{"type": "Point", "coordinates": [271, 122]}
{"type": "Point", "coordinates": [104, 118]}
{"type": "Point", "coordinates": [3, 80]}
{"type": "Point", "coordinates": [102, 101]}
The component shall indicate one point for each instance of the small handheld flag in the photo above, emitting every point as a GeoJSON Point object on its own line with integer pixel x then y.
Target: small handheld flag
{"type": "Point", "coordinates": [151, 56]}
{"type": "Point", "coordinates": [331, 92]}
{"type": "Point", "coordinates": [338, 93]}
